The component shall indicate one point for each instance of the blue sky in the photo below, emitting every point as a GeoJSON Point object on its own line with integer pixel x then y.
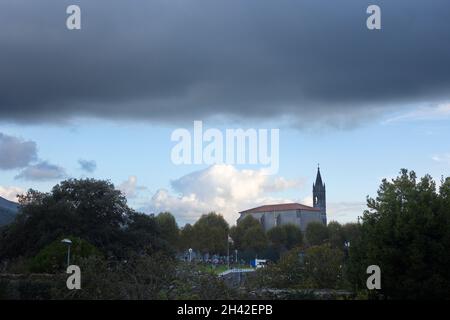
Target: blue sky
{"type": "Point", "coordinates": [353, 161]}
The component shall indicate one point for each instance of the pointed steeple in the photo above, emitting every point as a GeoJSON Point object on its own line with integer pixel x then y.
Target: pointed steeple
{"type": "Point", "coordinates": [318, 177]}
{"type": "Point", "coordinates": [319, 196]}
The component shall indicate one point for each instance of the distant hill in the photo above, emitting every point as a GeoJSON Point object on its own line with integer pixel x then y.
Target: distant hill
{"type": "Point", "coordinates": [8, 211]}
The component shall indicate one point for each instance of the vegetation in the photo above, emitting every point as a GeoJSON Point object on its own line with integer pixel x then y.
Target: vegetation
{"type": "Point", "coordinates": [316, 233]}
{"type": "Point", "coordinates": [406, 231]}
{"type": "Point", "coordinates": [285, 237]}
{"type": "Point", "coordinates": [128, 255]}
{"type": "Point", "coordinates": [89, 209]}
{"type": "Point", "coordinates": [53, 258]}
{"type": "Point", "coordinates": [317, 267]}
{"type": "Point", "coordinates": [249, 238]}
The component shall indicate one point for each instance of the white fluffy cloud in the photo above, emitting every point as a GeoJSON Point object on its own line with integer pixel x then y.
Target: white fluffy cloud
{"type": "Point", "coordinates": [220, 188]}
{"type": "Point", "coordinates": [130, 188]}
{"type": "Point", "coordinates": [10, 193]}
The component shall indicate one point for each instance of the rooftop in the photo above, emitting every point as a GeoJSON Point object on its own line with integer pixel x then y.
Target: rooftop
{"type": "Point", "coordinates": [280, 207]}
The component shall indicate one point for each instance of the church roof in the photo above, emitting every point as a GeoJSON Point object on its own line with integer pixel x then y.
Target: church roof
{"type": "Point", "coordinates": [280, 207]}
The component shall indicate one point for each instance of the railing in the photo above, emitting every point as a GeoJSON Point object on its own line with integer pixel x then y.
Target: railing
{"type": "Point", "coordinates": [235, 270]}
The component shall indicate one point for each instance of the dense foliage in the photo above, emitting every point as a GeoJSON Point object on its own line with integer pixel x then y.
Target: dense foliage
{"type": "Point", "coordinates": [89, 209]}
{"type": "Point", "coordinates": [129, 255]}
{"type": "Point", "coordinates": [53, 258]}
{"type": "Point", "coordinates": [406, 231]}
{"type": "Point", "coordinates": [208, 235]}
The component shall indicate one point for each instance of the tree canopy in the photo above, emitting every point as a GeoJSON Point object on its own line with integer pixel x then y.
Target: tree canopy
{"type": "Point", "coordinates": [285, 237]}
{"type": "Point", "coordinates": [210, 234]}
{"type": "Point", "coordinates": [406, 232]}
{"type": "Point", "coordinates": [89, 209]}
{"type": "Point", "coordinates": [316, 233]}
{"type": "Point", "coordinates": [169, 228]}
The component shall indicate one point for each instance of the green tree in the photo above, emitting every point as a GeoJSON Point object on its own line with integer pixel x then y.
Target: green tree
{"type": "Point", "coordinates": [285, 237]}
{"type": "Point", "coordinates": [406, 232]}
{"type": "Point", "coordinates": [336, 234]}
{"type": "Point", "coordinates": [210, 234]}
{"type": "Point", "coordinates": [249, 238]}
{"type": "Point", "coordinates": [238, 231]}
{"type": "Point", "coordinates": [142, 236]}
{"type": "Point", "coordinates": [316, 233]}
{"type": "Point", "coordinates": [187, 237]}
{"type": "Point", "coordinates": [323, 266]}
{"type": "Point", "coordinates": [254, 239]}
{"type": "Point", "coordinates": [168, 228]}
{"type": "Point", "coordinates": [53, 258]}
{"type": "Point", "coordinates": [90, 209]}
{"type": "Point", "coordinates": [248, 234]}
{"type": "Point", "coordinates": [351, 232]}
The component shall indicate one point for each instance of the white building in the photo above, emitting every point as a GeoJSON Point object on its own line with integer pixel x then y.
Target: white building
{"type": "Point", "coordinates": [292, 213]}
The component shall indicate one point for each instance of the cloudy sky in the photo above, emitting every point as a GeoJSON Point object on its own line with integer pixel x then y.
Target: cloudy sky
{"type": "Point", "coordinates": [103, 101]}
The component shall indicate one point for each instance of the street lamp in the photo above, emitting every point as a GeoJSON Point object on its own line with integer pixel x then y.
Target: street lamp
{"type": "Point", "coordinates": [190, 254]}
{"type": "Point", "coordinates": [347, 248]}
{"type": "Point", "coordinates": [235, 251]}
{"type": "Point", "coordinates": [68, 243]}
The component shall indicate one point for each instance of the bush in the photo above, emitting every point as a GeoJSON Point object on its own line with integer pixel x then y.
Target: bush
{"type": "Point", "coordinates": [53, 258]}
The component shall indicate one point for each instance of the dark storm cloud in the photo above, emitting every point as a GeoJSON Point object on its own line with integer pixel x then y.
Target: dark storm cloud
{"type": "Point", "coordinates": [167, 60]}
{"type": "Point", "coordinates": [42, 171]}
{"type": "Point", "coordinates": [15, 152]}
{"type": "Point", "coordinates": [87, 165]}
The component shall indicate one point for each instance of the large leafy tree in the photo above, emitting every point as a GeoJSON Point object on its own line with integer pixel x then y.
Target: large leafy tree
{"type": "Point", "coordinates": [53, 258]}
{"type": "Point", "coordinates": [210, 234]}
{"type": "Point", "coordinates": [316, 233]}
{"type": "Point", "coordinates": [351, 232]}
{"type": "Point", "coordinates": [323, 266]}
{"type": "Point", "coordinates": [169, 228]}
{"type": "Point", "coordinates": [89, 209]}
{"type": "Point", "coordinates": [248, 234]}
{"type": "Point", "coordinates": [187, 237]}
{"type": "Point", "coordinates": [285, 237]}
{"type": "Point", "coordinates": [406, 232]}
{"type": "Point", "coordinates": [336, 234]}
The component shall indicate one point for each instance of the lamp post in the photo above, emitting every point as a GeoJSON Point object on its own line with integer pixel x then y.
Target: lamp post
{"type": "Point", "coordinates": [68, 242]}
{"type": "Point", "coordinates": [190, 254]}
{"type": "Point", "coordinates": [235, 251]}
{"type": "Point", "coordinates": [347, 247]}
{"type": "Point", "coordinates": [228, 253]}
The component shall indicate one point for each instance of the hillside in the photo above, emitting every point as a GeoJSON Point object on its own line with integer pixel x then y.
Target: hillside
{"type": "Point", "coordinates": [8, 211]}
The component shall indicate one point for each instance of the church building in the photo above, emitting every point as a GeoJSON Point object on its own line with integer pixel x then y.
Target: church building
{"type": "Point", "coordinates": [292, 213]}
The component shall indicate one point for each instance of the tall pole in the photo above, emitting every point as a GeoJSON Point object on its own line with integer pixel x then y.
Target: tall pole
{"type": "Point", "coordinates": [68, 255]}
{"type": "Point", "coordinates": [67, 242]}
{"type": "Point", "coordinates": [228, 252]}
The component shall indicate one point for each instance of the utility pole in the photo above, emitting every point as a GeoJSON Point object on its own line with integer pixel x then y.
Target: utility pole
{"type": "Point", "coordinates": [228, 252]}
{"type": "Point", "coordinates": [67, 242]}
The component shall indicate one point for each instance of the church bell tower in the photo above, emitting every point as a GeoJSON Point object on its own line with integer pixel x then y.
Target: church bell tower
{"type": "Point", "coordinates": [319, 198]}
